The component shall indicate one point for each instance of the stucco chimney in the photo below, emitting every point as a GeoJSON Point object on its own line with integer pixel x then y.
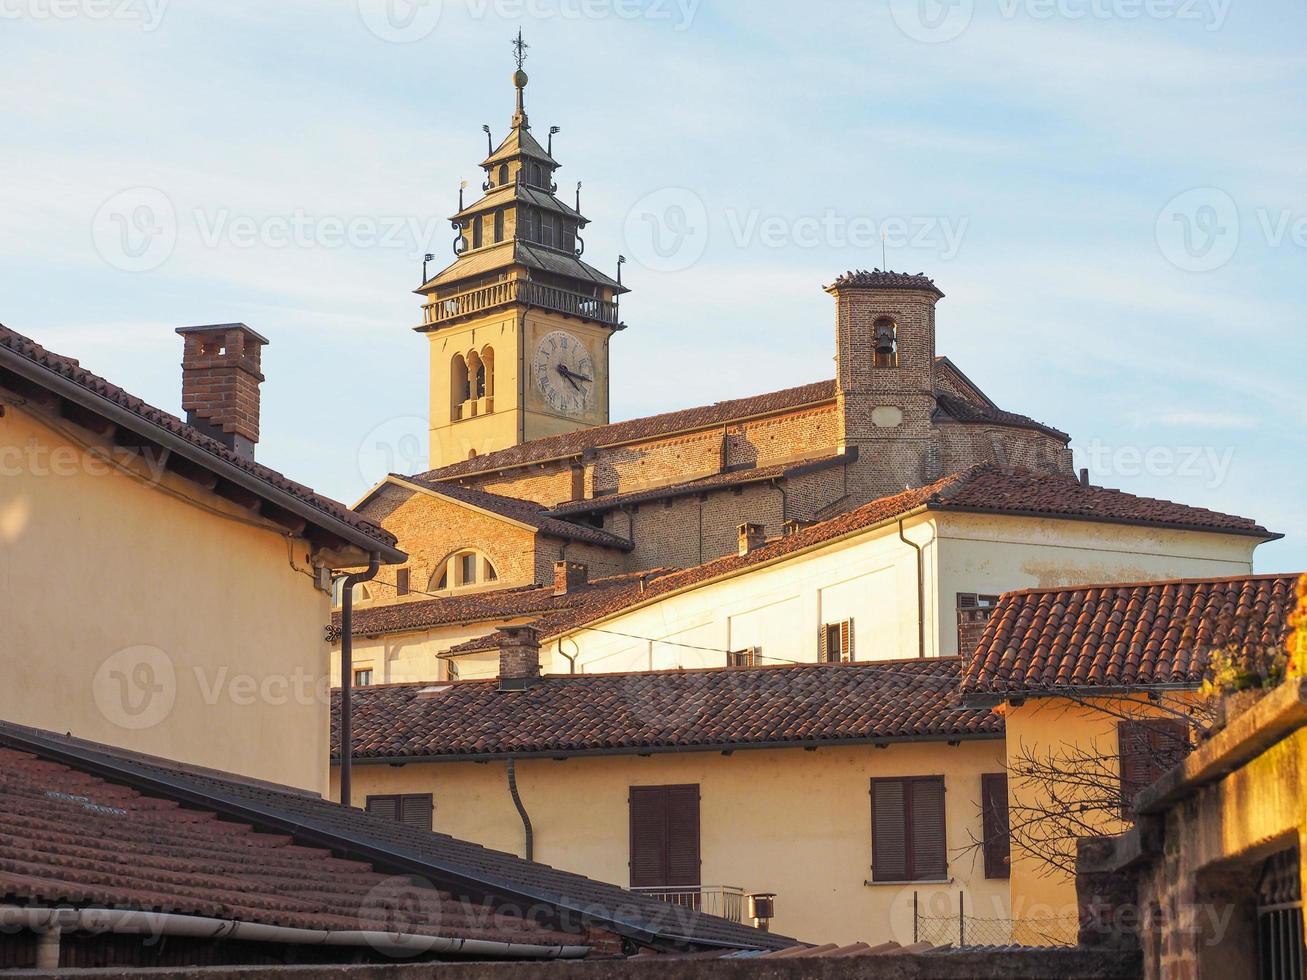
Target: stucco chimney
{"type": "Point", "coordinates": [220, 383]}
{"type": "Point", "coordinates": [570, 576]}
{"type": "Point", "coordinates": [752, 537]}
{"type": "Point", "coordinates": [519, 657]}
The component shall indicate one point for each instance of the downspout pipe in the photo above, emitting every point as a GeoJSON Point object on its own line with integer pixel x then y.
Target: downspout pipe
{"type": "Point", "coordinates": [527, 830]}
{"type": "Point", "coordinates": [921, 590]}
{"type": "Point", "coordinates": [52, 922]}
{"type": "Point", "coordinates": [347, 674]}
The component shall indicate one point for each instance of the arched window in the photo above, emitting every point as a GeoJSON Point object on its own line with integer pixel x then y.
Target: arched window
{"type": "Point", "coordinates": [536, 175]}
{"type": "Point", "coordinates": [459, 387]}
{"type": "Point", "coordinates": [503, 174]}
{"type": "Point", "coordinates": [488, 366]}
{"type": "Point", "coordinates": [463, 570]}
{"type": "Point", "coordinates": [886, 343]}
{"type": "Point", "coordinates": [499, 225]}
{"type": "Point", "coordinates": [477, 239]}
{"type": "Point", "coordinates": [476, 374]}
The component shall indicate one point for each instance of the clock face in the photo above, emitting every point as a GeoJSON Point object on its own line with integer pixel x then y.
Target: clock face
{"type": "Point", "coordinates": [564, 373]}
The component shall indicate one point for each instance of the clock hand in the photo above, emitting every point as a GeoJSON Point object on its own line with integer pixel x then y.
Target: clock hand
{"type": "Point", "coordinates": [568, 376]}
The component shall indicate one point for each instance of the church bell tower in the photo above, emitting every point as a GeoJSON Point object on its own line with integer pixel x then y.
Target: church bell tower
{"type": "Point", "coordinates": [519, 325]}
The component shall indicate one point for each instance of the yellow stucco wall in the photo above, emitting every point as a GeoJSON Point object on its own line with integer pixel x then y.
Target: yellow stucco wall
{"type": "Point", "coordinates": [132, 617]}
{"type": "Point", "coordinates": [403, 658]}
{"type": "Point", "coordinates": [788, 821]}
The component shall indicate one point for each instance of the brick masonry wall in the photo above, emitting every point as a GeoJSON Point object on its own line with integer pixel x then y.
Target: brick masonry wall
{"type": "Point", "coordinates": [599, 561]}
{"type": "Point", "coordinates": [430, 529]}
{"type": "Point", "coordinates": [966, 445]}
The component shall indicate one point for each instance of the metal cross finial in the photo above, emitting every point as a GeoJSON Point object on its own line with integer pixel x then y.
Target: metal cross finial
{"type": "Point", "coordinates": [519, 49]}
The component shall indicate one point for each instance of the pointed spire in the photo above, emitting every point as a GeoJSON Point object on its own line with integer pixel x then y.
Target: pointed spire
{"type": "Point", "coordinates": [519, 81]}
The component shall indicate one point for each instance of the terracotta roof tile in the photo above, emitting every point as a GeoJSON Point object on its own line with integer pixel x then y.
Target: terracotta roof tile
{"type": "Point", "coordinates": [573, 443]}
{"type": "Point", "coordinates": [665, 710]}
{"type": "Point", "coordinates": [1112, 636]}
{"type": "Point", "coordinates": [450, 864]}
{"type": "Point", "coordinates": [962, 410]}
{"type": "Point", "coordinates": [987, 489]}
{"type": "Point", "coordinates": [68, 837]}
{"type": "Point", "coordinates": [880, 279]}
{"type": "Point", "coordinates": [526, 512]}
{"type": "Point", "coordinates": [479, 607]}
{"type": "Point", "coordinates": [69, 369]}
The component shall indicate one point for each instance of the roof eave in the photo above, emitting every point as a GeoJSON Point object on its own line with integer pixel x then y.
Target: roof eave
{"type": "Point", "coordinates": [71, 390]}
{"type": "Point", "coordinates": [1259, 533]}
{"type": "Point", "coordinates": [640, 750]}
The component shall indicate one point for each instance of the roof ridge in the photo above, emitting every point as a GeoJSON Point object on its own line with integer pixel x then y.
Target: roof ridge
{"type": "Point", "coordinates": [1156, 583]}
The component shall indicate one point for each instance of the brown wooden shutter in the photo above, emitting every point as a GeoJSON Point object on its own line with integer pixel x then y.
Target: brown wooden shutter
{"type": "Point", "coordinates": [823, 644]}
{"type": "Point", "coordinates": [928, 858]}
{"type": "Point", "coordinates": [417, 811]}
{"type": "Point", "coordinates": [385, 807]}
{"type": "Point", "coordinates": [1147, 750]}
{"type": "Point", "coordinates": [648, 836]}
{"type": "Point", "coordinates": [664, 836]}
{"type": "Point", "coordinates": [995, 827]}
{"type": "Point", "coordinates": [889, 830]}
{"type": "Point", "coordinates": [846, 639]}
{"type": "Point", "coordinates": [683, 835]}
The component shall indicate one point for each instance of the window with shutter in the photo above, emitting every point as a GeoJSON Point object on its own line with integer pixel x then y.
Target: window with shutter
{"type": "Point", "coordinates": [664, 836]}
{"type": "Point", "coordinates": [413, 810]}
{"type": "Point", "coordinates": [835, 643]}
{"type": "Point", "coordinates": [907, 829]}
{"type": "Point", "coordinates": [1147, 749]}
{"type": "Point", "coordinates": [995, 827]}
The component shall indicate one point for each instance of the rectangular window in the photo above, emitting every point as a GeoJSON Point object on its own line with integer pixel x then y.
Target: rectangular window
{"type": "Point", "coordinates": [401, 582]}
{"type": "Point", "coordinates": [907, 829]}
{"type": "Point", "coordinates": [467, 570]}
{"type": "Point", "coordinates": [995, 827]}
{"type": "Point", "coordinates": [836, 643]}
{"type": "Point", "coordinates": [747, 657]}
{"type": "Point", "coordinates": [1147, 750]}
{"type": "Point", "coordinates": [363, 678]}
{"type": "Point", "coordinates": [664, 836]}
{"type": "Point", "coordinates": [413, 810]}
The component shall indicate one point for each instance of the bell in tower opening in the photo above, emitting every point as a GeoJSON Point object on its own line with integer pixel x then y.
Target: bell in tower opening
{"type": "Point", "coordinates": [887, 343]}
{"type": "Point", "coordinates": [519, 324]}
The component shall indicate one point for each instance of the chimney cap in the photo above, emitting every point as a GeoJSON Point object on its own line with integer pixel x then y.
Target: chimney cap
{"type": "Point", "coordinates": [223, 328]}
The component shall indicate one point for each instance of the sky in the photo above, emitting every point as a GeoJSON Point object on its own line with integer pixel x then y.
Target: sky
{"type": "Point", "coordinates": [1109, 192]}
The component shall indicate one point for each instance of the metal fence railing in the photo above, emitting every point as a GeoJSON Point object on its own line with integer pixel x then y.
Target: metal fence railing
{"type": "Point", "coordinates": [724, 901]}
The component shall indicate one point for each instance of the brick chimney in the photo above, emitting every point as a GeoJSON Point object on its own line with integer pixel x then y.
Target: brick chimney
{"type": "Point", "coordinates": [570, 576]}
{"type": "Point", "coordinates": [519, 657]}
{"type": "Point", "coordinates": [220, 383]}
{"type": "Point", "coordinates": [752, 537]}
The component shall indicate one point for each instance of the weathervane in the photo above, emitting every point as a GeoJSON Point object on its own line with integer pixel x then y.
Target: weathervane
{"type": "Point", "coordinates": [519, 49]}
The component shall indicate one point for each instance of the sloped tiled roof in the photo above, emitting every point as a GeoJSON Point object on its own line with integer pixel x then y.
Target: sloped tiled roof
{"type": "Point", "coordinates": [525, 512]}
{"type": "Point", "coordinates": [68, 837]}
{"type": "Point", "coordinates": [985, 489]}
{"type": "Point", "coordinates": [516, 252]}
{"type": "Point", "coordinates": [479, 607]}
{"type": "Point", "coordinates": [145, 419]}
{"type": "Point", "coordinates": [573, 443]}
{"type": "Point", "coordinates": [718, 481]}
{"type": "Point", "coordinates": [962, 410]}
{"type": "Point", "coordinates": [737, 707]}
{"type": "Point", "coordinates": [457, 866]}
{"type": "Point", "coordinates": [880, 279]}
{"type": "Point", "coordinates": [1122, 636]}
